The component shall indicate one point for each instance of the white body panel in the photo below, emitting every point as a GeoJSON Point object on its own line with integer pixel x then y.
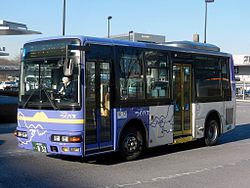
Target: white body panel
{"type": "Point", "coordinates": [161, 119]}
{"type": "Point", "coordinates": [226, 111]}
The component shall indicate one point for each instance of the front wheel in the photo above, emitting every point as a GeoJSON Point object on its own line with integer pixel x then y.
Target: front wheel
{"type": "Point", "coordinates": [131, 144]}
{"type": "Point", "coordinates": [212, 132]}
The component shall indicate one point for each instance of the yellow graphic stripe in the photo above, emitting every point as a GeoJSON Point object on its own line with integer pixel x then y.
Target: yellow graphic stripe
{"type": "Point", "coordinates": [41, 117]}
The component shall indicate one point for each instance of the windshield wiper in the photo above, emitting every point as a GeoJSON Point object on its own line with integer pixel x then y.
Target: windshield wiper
{"type": "Point", "coordinates": [53, 104]}
{"type": "Point", "coordinates": [41, 89]}
{"type": "Point", "coordinates": [26, 102]}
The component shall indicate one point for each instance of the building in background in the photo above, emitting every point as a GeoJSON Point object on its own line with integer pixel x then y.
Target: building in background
{"type": "Point", "coordinates": [2, 52]}
{"type": "Point", "coordinates": [9, 71]}
{"type": "Point", "coordinates": [242, 75]}
{"type": "Point", "coordinates": [13, 28]}
{"type": "Point", "coordinates": [242, 67]}
{"type": "Point", "coordinates": [140, 37]}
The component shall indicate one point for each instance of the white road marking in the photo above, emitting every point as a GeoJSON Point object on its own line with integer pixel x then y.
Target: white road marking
{"type": "Point", "coordinates": [169, 177]}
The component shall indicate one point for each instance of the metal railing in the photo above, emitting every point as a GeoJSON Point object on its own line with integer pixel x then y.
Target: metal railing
{"type": "Point", "coordinates": [243, 90]}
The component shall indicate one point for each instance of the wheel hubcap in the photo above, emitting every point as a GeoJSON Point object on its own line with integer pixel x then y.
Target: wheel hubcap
{"type": "Point", "coordinates": [131, 144]}
{"type": "Point", "coordinates": [212, 132]}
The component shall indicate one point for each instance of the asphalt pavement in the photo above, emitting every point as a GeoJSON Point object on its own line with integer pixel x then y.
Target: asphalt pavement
{"type": "Point", "coordinates": [184, 165]}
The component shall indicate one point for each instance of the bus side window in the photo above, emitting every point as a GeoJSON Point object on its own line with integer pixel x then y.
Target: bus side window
{"type": "Point", "coordinates": [157, 75]}
{"type": "Point", "coordinates": [131, 74]}
{"type": "Point", "coordinates": [208, 78]}
{"type": "Point", "coordinates": [225, 77]}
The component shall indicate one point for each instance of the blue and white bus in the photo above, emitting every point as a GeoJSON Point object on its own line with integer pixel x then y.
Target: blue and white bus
{"type": "Point", "coordinates": [126, 96]}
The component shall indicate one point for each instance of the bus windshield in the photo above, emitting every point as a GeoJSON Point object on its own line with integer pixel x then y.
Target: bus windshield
{"type": "Point", "coordinates": [44, 85]}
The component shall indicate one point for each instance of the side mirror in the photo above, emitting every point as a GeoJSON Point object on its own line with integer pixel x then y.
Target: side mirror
{"type": "Point", "coordinates": [68, 63]}
{"type": "Point", "coordinates": [68, 66]}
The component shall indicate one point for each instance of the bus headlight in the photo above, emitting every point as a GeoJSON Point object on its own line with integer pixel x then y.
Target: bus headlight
{"type": "Point", "coordinates": [56, 138]}
{"type": "Point", "coordinates": [64, 138]}
{"type": "Point", "coordinates": [21, 134]}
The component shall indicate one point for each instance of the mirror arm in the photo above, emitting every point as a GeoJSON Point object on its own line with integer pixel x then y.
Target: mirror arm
{"type": "Point", "coordinates": [66, 56]}
{"type": "Point", "coordinates": [80, 48]}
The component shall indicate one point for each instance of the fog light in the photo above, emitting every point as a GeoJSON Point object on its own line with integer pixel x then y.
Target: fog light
{"type": "Point", "coordinates": [65, 149]}
{"type": "Point", "coordinates": [75, 149]}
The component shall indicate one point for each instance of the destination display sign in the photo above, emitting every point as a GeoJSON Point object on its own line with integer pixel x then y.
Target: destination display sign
{"type": "Point", "coordinates": [46, 49]}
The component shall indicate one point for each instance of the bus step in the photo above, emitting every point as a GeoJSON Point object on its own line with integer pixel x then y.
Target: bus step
{"type": "Point", "coordinates": [183, 140]}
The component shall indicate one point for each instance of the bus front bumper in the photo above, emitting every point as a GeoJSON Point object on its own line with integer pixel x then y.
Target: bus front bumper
{"type": "Point", "coordinates": [62, 143]}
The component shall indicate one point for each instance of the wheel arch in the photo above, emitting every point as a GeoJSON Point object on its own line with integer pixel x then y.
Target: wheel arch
{"type": "Point", "coordinates": [138, 123]}
{"type": "Point", "coordinates": [213, 114]}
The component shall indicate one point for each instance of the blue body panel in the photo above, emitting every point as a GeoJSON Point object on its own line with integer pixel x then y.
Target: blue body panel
{"type": "Point", "coordinates": [123, 115]}
{"type": "Point", "coordinates": [41, 124]}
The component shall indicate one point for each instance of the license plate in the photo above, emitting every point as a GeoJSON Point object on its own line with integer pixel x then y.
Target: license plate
{"type": "Point", "coordinates": [40, 147]}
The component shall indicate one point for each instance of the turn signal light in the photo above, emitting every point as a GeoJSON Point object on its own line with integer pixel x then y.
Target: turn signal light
{"type": "Point", "coordinates": [75, 139]}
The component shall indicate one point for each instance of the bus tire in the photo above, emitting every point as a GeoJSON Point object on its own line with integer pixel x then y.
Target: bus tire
{"type": "Point", "coordinates": [212, 132]}
{"type": "Point", "coordinates": [131, 144]}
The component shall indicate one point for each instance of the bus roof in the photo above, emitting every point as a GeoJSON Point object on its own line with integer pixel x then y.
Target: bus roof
{"type": "Point", "coordinates": [176, 46]}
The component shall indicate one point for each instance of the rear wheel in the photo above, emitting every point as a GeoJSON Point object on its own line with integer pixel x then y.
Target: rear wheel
{"type": "Point", "coordinates": [212, 132]}
{"type": "Point", "coordinates": [131, 144]}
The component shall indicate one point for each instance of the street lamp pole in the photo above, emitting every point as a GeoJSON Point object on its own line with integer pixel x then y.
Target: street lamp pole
{"type": "Point", "coordinates": [64, 17]}
{"type": "Point", "coordinates": [109, 18]}
{"type": "Point", "coordinates": [129, 34]}
{"type": "Point", "coordinates": [205, 32]}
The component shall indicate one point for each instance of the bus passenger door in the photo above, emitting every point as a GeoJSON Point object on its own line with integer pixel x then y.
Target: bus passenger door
{"type": "Point", "coordinates": [182, 98]}
{"type": "Point", "coordinates": [97, 107]}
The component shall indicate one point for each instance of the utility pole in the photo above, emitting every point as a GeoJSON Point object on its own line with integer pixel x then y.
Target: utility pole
{"type": "Point", "coordinates": [109, 18]}
{"type": "Point", "coordinates": [64, 17]}
{"type": "Point", "coordinates": [205, 30]}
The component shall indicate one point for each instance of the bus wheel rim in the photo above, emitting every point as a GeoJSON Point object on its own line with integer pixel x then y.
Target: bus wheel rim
{"type": "Point", "coordinates": [131, 143]}
{"type": "Point", "coordinates": [212, 132]}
